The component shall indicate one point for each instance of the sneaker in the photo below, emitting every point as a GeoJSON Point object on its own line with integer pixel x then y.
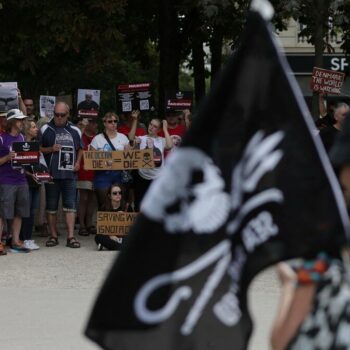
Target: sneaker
{"type": "Point", "coordinates": [31, 245]}
{"type": "Point", "coordinates": [99, 247]}
{"type": "Point", "coordinates": [19, 248]}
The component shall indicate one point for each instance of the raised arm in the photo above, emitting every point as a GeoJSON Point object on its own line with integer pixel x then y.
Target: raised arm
{"type": "Point", "coordinates": [168, 139]}
{"type": "Point", "coordinates": [134, 116]}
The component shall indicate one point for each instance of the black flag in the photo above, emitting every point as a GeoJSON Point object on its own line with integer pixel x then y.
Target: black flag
{"type": "Point", "coordinates": [250, 186]}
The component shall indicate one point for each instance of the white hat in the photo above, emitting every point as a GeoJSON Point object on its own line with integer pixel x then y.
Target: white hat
{"type": "Point", "coordinates": [15, 114]}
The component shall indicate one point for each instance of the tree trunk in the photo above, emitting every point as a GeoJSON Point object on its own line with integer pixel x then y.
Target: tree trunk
{"type": "Point", "coordinates": [320, 18]}
{"type": "Point", "coordinates": [216, 52]}
{"type": "Point", "coordinates": [198, 67]}
{"type": "Point", "coordinates": [169, 51]}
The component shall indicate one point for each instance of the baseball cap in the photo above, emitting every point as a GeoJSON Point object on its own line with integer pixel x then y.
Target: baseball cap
{"type": "Point", "coordinates": [15, 114]}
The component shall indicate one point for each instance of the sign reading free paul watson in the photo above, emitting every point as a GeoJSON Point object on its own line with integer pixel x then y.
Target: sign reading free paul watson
{"type": "Point", "coordinates": [114, 223]}
{"type": "Point", "coordinates": [118, 160]}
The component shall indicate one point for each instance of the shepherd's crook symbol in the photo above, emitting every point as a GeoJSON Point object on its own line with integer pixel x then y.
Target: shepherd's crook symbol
{"type": "Point", "coordinates": [220, 253]}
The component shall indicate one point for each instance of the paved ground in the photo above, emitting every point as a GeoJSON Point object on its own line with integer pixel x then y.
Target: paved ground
{"type": "Point", "coordinates": [46, 296]}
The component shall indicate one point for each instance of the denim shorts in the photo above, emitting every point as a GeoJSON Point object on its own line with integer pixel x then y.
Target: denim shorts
{"type": "Point", "coordinates": [104, 179]}
{"type": "Point", "coordinates": [68, 189]}
{"type": "Point", "coordinates": [14, 201]}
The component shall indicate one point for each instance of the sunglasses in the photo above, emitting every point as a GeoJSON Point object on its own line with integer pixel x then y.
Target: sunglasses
{"type": "Point", "coordinates": [60, 115]}
{"type": "Point", "coordinates": [116, 192]}
{"type": "Point", "coordinates": [112, 121]}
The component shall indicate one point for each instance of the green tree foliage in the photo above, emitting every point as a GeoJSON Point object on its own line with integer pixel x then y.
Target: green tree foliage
{"type": "Point", "coordinates": [58, 46]}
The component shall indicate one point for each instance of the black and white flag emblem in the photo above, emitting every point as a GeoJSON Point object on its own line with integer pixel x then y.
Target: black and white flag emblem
{"type": "Point", "coordinates": [249, 186]}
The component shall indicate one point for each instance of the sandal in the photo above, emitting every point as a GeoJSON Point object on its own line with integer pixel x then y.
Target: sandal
{"type": "Point", "coordinates": [52, 241]}
{"type": "Point", "coordinates": [2, 249]}
{"type": "Point", "coordinates": [83, 232]}
{"type": "Point", "coordinates": [92, 230]}
{"type": "Point", "coordinates": [72, 242]}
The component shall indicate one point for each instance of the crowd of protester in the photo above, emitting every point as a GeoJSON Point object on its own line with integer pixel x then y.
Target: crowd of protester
{"type": "Point", "coordinates": [72, 190]}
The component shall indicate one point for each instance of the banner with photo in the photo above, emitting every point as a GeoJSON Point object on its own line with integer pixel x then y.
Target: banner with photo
{"type": "Point", "coordinates": [47, 105]}
{"type": "Point", "coordinates": [88, 103]}
{"type": "Point", "coordinates": [8, 96]}
{"type": "Point", "coordinates": [66, 158]}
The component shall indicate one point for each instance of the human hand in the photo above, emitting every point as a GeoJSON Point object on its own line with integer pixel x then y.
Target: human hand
{"type": "Point", "coordinates": [56, 148]}
{"type": "Point", "coordinates": [286, 274]}
{"type": "Point", "coordinates": [165, 125]}
{"type": "Point", "coordinates": [137, 140]}
{"type": "Point", "coordinates": [135, 114]}
{"type": "Point", "coordinates": [11, 155]}
{"type": "Point", "coordinates": [77, 166]}
{"type": "Point", "coordinates": [187, 113]}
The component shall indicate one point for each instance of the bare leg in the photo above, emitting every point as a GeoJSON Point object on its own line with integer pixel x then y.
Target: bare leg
{"type": "Point", "coordinates": [16, 229]}
{"type": "Point", "coordinates": [1, 227]}
{"type": "Point", "coordinates": [91, 209]}
{"type": "Point", "coordinates": [70, 221]}
{"type": "Point", "coordinates": [84, 205]}
{"type": "Point", "coordinates": [52, 221]}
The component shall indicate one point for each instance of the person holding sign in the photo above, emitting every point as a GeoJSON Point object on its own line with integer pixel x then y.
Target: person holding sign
{"type": "Point", "coordinates": [157, 145]}
{"type": "Point", "coordinates": [30, 133]}
{"type": "Point", "coordinates": [113, 202]}
{"type": "Point", "coordinates": [109, 140]}
{"type": "Point", "coordinates": [58, 138]}
{"type": "Point", "coordinates": [14, 193]}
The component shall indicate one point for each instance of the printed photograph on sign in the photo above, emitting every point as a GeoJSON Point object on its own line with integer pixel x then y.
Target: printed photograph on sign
{"type": "Point", "coordinates": [66, 158]}
{"type": "Point", "coordinates": [47, 104]}
{"type": "Point", "coordinates": [88, 102]}
{"type": "Point", "coordinates": [8, 98]}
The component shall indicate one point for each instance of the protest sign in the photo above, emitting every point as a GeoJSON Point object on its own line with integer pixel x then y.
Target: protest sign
{"type": "Point", "coordinates": [9, 84]}
{"type": "Point", "coordinates": [66, 158]}
{"type": "Point", "coordinates": [8, 98]}
{"type": "Point", "coordinates": [134, 96]}
{"type": "Point", "coordinates": [326, 81]}
{"type": "Point", "coordinates": [27, 153]}
{"type": "Point", "coordinates": [47, 104]}
{"type": "Point", "coordinates": [88, 102]}
{"type": "Point", "coordinates": [118, 160]}
{"type": "Point", "coordinates": [179, 101]}
{"type": "Point", "coordinates": [42, 177]}
{"type": "Point", "coordinates": [114, 223]}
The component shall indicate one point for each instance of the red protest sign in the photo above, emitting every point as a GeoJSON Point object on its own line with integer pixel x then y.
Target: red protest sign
{"type": "Point", "coordinates": [326, 81]}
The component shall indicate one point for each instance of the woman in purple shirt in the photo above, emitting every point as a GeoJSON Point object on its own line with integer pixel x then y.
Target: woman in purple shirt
{"type": "Point", "coordinates": [14, 193]}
